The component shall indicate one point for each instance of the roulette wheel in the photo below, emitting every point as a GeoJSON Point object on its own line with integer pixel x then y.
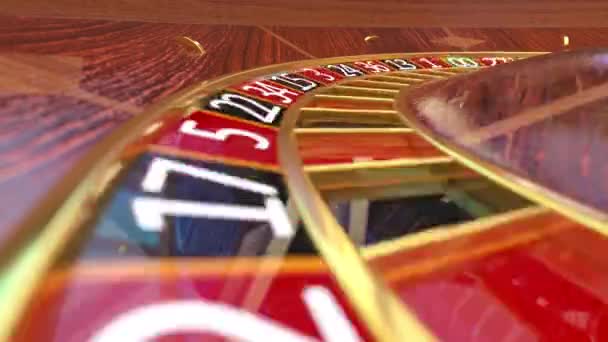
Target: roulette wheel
{"type": "Point", "coordinates": [390, 197]}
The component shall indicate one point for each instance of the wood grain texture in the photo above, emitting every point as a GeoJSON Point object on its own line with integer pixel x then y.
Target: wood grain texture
{"type": "Point", "coordinates": [70, 82]}
{"type": "Point", "coordinates": [329, 42]}
{"type": "Point", "coordinates": [67, 83]}
{"type": "Point", "coordinates": [354, 13]}
{"type": "Point", "coordinates": [344, 148]}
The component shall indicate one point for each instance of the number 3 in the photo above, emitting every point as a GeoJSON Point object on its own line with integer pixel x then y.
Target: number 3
{"type": "Point", "coordinates": [189, 127]}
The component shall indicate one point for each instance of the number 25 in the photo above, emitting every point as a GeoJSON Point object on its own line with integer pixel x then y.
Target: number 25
{"type": "Point", "coordinates": [189, 127]}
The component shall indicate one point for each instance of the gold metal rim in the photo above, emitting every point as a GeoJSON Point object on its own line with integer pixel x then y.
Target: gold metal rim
{"type": "Point", "coordinates": [448, 232]}
{"type": "Point", "coordinates": [56, 217]}
{"type": "Point", "coordinates": [104, 152]}
{"type": "Point", "coordinates": [375, 303]}
{"type": "Point", "coordinates": [587, 216]}
{"type": "Point", "coordinates": [387, 318]}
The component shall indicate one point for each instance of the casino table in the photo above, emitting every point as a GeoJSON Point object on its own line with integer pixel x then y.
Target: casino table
{"type": "Point", "coordinates": [320, 171]}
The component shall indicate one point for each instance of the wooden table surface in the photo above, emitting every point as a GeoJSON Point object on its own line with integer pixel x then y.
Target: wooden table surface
{"type": "Point", "coordinates": [329, 13]}
{"type": "Point", "coordinates": [67, 82]}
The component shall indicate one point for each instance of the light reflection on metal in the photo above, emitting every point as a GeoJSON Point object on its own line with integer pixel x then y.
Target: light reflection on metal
{"type": "Point", "coordinates": [152, 128]}
{"type": "Point", "coordinates": [442, 233]}
{"type": "Point", "coordinates": [371, 38]}
{"type": "Point", "coordinates": [192, 47]}
{"type": "Point", "coordinates": [28, 269]}
{"type": "Point", "coordinates": [110, 174]}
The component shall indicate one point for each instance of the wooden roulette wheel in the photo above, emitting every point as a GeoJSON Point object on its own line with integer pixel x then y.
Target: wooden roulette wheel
{"type": "Point", "coordinates": [404, 196]}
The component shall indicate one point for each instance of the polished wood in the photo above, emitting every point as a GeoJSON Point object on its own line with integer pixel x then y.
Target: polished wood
{"type": "Point", "coordinates": [387, 13]}
{"type": "Point", "coordinates": [351, 41]}
{"type": "Point", "coordinates": [330, 148]}
{"type": "Point", "coordinates": [362, 91]}
{"type": "Point", "coordinates": [328, 110]}
{"type": "Point", "coordinates": [67, 83]}
{"type": "Point", "coordinates": [350, 102]}
{"type": "Point", "coordinates": [380, 175]}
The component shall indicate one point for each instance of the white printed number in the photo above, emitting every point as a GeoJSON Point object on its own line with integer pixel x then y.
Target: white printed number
{"type": "Point", "coordinates": [301, 83]}
{"type": "Point", "coordinates": [149, 211]}
{"type": "Point", "coordinates": [189, 127]}
{"type": "Point", "coordinates": [429, 62]}
{"type": "Point", "coordinates": [247, 105]}
{"type": "Point", "coordinates": [317, 73]}
{"type": "Point", "coordinates": [346, 70]}
{"type": "Point", "coordinates": [496, 60]}
{"type": "Point", "coordinates": [373, 67]}
{"type": "Point", "coordinates": [186, 316]}
{"type": "Point", "coordinates": [268, 90]}
{"type": "Point", "coordinates": [400, 64]}
{"type": "Point", "coordinates": [462, 62]}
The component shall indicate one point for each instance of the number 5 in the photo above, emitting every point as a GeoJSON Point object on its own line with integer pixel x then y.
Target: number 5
{"type": "Point", "coordinates": [189, 127]}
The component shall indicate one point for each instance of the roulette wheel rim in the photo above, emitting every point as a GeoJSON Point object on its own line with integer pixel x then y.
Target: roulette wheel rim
{"type": "Point", "coordinates": [576, 209]}
{"type": "Point", "coordinates": [69, 206]}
